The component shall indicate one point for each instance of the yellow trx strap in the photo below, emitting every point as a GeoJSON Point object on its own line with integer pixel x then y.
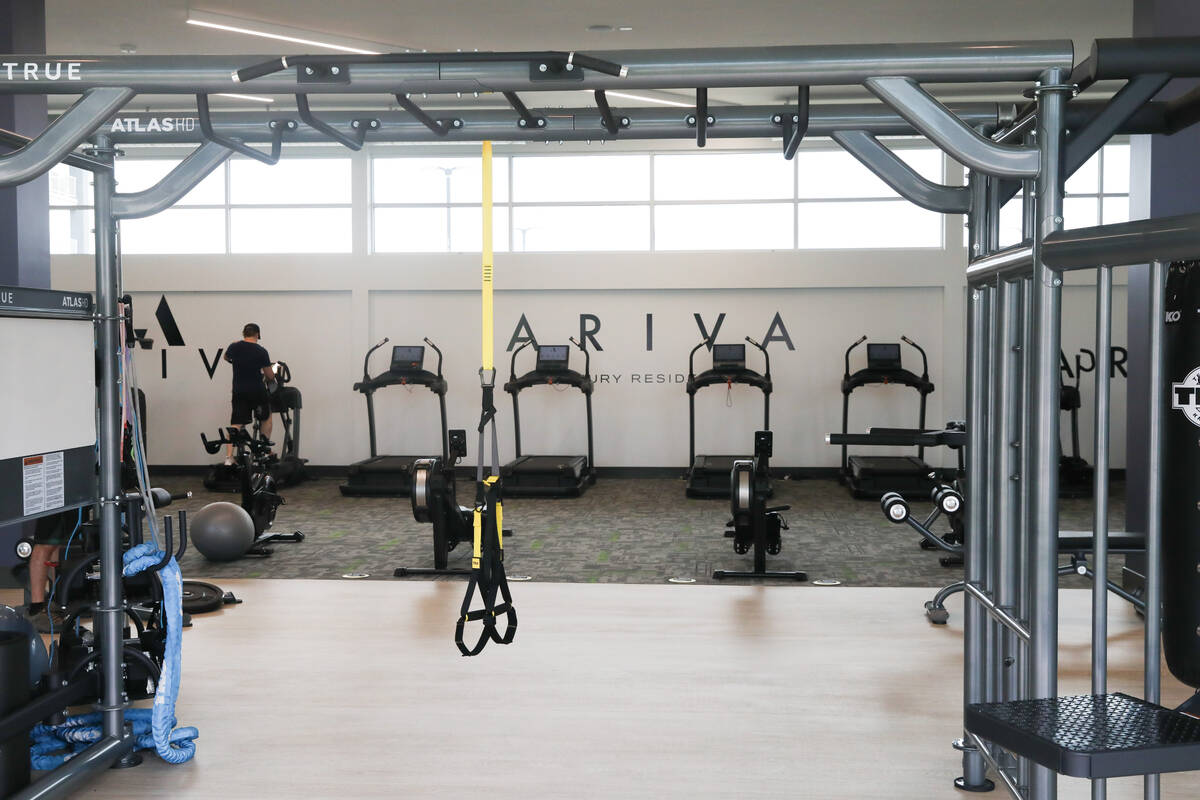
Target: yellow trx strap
{"type": "Point", "coordinates": [487, 555]}
{"type": "Point", "coordinates": [488, 361]}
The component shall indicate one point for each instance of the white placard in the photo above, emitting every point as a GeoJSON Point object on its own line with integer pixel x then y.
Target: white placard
{"type": "Point", "coordinates": [42, 483]}
{"type": "Point", "coordinates": [47, 386]}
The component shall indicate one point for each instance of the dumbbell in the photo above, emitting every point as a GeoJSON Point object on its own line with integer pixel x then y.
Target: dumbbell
{"type": "Point", "coordinates": [895, 507]}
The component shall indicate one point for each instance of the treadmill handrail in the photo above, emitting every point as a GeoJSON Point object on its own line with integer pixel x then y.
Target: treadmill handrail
{"type": "Point", "coordinates": [692, 356]}
{"type": "Point", "coordinates": [714, 377]}
{"type": "Point", "coordinates": [861, 339]}
{"type": "Point", "coordinates": [587, 357]}
{"type": "Point", "coordinates": [512, 364]}
{"type": "Point", "coordinates": [766, 356]}
{"type": "Point", "coordinates": [437, 350]}
{"type": "Point", "coordinates": [566, 377]}
{"type": "Point", "coordinates": [868, 376]}
{"type": "Point", "coordinates": [921, 350]}
{"type": "Point", "coordinates": [435, 383]}
{"type": "Point", "coordinates": [367, 360]}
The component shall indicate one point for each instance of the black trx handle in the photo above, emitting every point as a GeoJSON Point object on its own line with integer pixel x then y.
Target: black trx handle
{"type": "Point", "coordinates": [487, 575]}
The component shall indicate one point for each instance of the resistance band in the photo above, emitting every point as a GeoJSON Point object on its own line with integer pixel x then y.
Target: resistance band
{"type": "Point", "coordinates": [487, 556]}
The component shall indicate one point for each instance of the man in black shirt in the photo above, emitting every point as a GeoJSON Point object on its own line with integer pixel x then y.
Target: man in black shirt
{"type": "Point", "coordinates": [252, 375]}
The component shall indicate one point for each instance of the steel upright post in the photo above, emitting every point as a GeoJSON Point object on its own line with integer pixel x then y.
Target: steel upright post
{"type": "Point", "coordinates": [1157, 391]}
{"type": "Point", "coordinates": [975, 628]}
{"type": "Point", "coordinates": [1100, 518]}
{"type": "Point", "coordinates": [1043, 481]}
{"type": "Point", "coordinates": [110, 615]}
{"type": "Point", "coordinates": [1006, 476]}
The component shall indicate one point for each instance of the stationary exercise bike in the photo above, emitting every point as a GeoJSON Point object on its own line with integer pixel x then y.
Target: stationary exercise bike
{"type": "Point", "coordinates": [288, 468]}
{"type": "Point", "coordinates": [257, 486]}
{"type": "Point", "coordinates": [755, 525]}
{"type": "Point", "coordinates": [434, 500]}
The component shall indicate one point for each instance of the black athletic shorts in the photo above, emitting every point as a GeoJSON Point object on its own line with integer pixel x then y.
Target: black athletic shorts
{"type": "Point", "coordinates": [55, 529]}
{"type": "Point", "coordinates": [250, 404]}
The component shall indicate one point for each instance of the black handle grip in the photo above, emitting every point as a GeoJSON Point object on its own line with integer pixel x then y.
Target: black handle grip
{"type": "Point", "coordinates": [260, 70]}
{"type": "Point", "coordinates": [598, 65]}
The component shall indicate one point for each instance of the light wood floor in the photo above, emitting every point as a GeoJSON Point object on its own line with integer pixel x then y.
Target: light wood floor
{"type": "Point", "coordinates": [326, 689]}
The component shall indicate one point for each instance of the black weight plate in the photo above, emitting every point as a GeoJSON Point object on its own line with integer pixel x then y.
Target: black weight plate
{"type": "Point", "coordinates": [201, 598]}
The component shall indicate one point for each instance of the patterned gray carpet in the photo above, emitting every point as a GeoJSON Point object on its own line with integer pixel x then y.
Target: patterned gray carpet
{"type": "Point", "coordinates": [620, 531]}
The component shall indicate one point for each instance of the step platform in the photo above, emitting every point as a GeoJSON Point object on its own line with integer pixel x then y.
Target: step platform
{"type": "Point", "coordinates": [1091, 736]}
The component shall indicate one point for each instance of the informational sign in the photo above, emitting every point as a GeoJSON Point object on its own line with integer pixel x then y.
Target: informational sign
{"type": "Point", "coordinates": [42, 482]}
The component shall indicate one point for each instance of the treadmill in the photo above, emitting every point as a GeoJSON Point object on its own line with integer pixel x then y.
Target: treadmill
{"type": "Point", "coordinates": [392, 476]}
{"type": "Point", "coordinates": [708, 476]}
{"type": "Point", "coordinates": [872, 476]}
{"type": "Point", "coordinates": [549, 476]}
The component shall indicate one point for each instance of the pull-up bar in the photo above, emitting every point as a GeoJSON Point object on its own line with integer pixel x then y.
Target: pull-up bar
{"type": "Point", "coordinates": [807, 65]}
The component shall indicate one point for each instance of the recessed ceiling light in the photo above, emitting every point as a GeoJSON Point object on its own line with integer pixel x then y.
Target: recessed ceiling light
{"type": "Point", "coordinates": [625, 28]}
{"type": "Point", "coordinates": [600, 28]}
{"type": "Point", "coordinates": [285, 33]}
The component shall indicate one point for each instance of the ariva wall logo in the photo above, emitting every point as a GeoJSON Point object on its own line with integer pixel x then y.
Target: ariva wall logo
{"type": "Point", "coordinates": [153, 124]}
{"type": "Point", "coordinates": [1185, 396]}
{"type": "Point", "coordinates": [1085, 361]}
{"type": "Point", "coordinates": [174, 337]}
{"type": "Point", "coordinates": [589, 326]}
{"type": "Point", "coordinates": [41, 71]}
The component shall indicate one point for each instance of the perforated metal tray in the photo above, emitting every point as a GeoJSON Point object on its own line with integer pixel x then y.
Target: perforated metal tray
{"type": "Point", "coordinates": [1092, 736]}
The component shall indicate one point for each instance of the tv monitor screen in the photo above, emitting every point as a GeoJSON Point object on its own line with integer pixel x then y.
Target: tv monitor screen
{"type": "Point", "coordinates": [729, 356]}
{"type": "Point", "coordinates": [883, 356]}
{"type": "Point", "coordinates": [551, 357]}
{"type": "Point", "coordinates": [408, 358]}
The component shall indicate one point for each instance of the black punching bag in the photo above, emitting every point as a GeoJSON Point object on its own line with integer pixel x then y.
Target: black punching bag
{"type": "Point", "coordinates": [1181, 475]}
{"type": "Point", "coordinates": [14, 693]}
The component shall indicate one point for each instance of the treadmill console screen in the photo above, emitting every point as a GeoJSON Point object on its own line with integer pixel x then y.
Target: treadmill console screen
{"type": "Point", "coordinates": [883, 356]}
{"type": "Point", "coordinates": [408, 358]}
{"type": "Point", "coordinates": [729, 356]}
{"type": "Point", "coordinates": [552, 357]}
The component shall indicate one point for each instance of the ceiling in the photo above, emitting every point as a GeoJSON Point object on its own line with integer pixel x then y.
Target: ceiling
{"type": "Point", "coordinates": [157, 27]}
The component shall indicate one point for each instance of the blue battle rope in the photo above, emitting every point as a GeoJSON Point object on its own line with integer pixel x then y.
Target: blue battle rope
{"type": "Point", "coordinates": [153, 728]}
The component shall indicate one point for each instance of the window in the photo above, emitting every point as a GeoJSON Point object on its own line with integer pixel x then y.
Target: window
{"type": "Point", "coordinates": [434, 205]}
{"type": "Point", "coordinates": [301, 205]}
{"type": "Point", "coordinates": [843, 205]}
{"type": "Point", "coordinates": [720, 200]}
{"type": "Point", "coordinates": [1097, 194]}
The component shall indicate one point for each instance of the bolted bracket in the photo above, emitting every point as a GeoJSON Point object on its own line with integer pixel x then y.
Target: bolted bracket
{"type": "Point", "coordinates": [323, 73]}
{"type": "Point", "coordinates": [554, 69]}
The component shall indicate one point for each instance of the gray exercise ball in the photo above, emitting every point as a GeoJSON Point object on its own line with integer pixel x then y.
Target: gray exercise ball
{"type": "Point", "coordinates": [221, 531]}
{"type": "Point", "coordinates": [13, 621]}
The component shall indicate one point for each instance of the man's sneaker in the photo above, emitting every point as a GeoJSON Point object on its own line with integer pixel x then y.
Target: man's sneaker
{"type": "Point", "coordinates": [229, 462]}
{"type": "Point", "coordinates": [42, 622]}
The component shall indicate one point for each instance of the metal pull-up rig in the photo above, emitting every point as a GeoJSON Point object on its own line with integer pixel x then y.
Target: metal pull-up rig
{"type": "Point", "coordinates": [1015, 294]}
